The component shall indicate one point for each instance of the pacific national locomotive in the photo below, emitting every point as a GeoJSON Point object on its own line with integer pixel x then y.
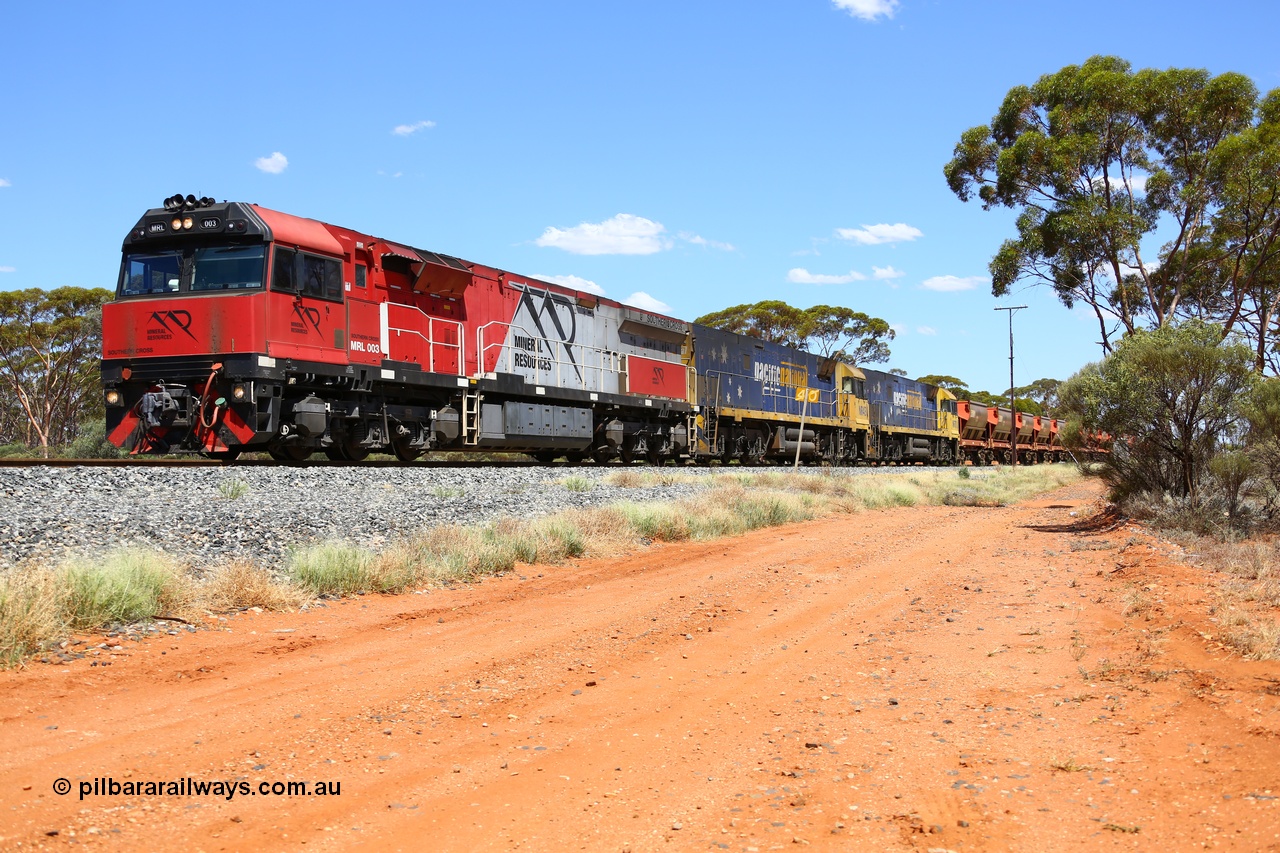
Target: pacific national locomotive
{"type": "Point", "coordinates": [239, 328]}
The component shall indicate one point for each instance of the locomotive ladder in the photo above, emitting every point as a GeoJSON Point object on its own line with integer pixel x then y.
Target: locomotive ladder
{"type": "Point", "coordinates": [470, 417]}
{"type": "Point", "coordinates": [713, 415]}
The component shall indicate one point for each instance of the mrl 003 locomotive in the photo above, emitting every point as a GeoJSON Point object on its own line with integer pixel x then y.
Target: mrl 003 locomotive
{"type": "Point", "coordinates": [236, 327]}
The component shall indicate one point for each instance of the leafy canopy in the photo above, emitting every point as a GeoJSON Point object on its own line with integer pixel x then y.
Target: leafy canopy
{"type": "Point", "coordinates": [50, 346]}
{"type": "Point", "coordinates": [1038, 398]}
{"type": "Point", "coordinates": [1172, 396]}
{"type": "Point", "coordinates": [823, 329]}
{"type": "Point", "coordinates": [1098, 160]}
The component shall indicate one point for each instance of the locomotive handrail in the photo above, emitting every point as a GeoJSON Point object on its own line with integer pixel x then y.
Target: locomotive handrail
{"type": "Point", "coordinates": [907, 419]}
{"type": "Point", "coordinates": [791, 405]}
{"type": "Point", "coordinates": [429, 337]}
{"type": "Point", "coordinates": [551, 355]}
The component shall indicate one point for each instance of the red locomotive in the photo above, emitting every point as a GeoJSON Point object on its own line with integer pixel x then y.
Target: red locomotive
{"type": "Point", "coordinates": [241, 328]}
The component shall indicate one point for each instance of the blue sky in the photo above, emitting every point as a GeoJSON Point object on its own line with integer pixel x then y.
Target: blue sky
{"type": "Point", "coordinates": [698, 154]}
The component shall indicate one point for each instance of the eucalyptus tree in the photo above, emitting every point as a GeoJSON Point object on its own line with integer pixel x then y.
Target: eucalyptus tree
{"type": "Point", "coordinates": [1173, 397]}
{"type": "Point", "coordinates": [50, 350]}
{"type": "Point", "coordinates": [824, 329]}
{"type": "Point", "coordinates": [1147, 196]}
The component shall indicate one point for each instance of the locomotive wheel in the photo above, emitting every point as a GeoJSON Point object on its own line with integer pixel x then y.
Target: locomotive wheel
{"type": "Point", "coordinates": [404, 451]}
{"type": "Point", "coordinates": [290, 453]}
{"type": "Point", "coordinates": [627, 455]}
{"type": "Point", "coordinates": [654, 457]}
{"type": "Point", "coordinates": [354, 452]}
{"type": "Point", "coordinates": [335, 454]}
{"type": "Point", "coordinates": [601, 455]}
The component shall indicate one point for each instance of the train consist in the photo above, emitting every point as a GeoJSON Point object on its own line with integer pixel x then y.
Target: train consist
{"type": "Point", "coordinates": [238, 328]}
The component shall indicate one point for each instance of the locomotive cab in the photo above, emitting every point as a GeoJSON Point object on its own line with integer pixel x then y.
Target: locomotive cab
{"type": "Point", "coordinates": [210, 299]}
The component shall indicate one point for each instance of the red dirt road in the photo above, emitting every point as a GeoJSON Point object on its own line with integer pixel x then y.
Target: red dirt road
{"type": "Point", "coordinates": [933, 679]}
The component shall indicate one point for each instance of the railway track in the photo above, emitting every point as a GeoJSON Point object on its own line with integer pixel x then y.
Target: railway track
{"type": "Point", "coordinates": [515, 462]}
{"type": "Point", "coordinates": [168, 462]}
{"type": "Point", "coordinates": [184, 463]}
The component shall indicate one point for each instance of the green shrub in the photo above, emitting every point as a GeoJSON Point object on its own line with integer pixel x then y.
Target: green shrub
{"type": "Point", "coordinates": [576, 484]}
{"type": "Point", "coordinates": [125, 586]}
{"type": "Point", "coordinates": [92, 443]}
{"type": "Point", "coordinates": [233, 489]}
{"type": "Point", "coordinates": [656, 522]}
{"type": "Point", "coordinates": [1174, 397]}
{"type": "Point", "coordinates": [332, 568]}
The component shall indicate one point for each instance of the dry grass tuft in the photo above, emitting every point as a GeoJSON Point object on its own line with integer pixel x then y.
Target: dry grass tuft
{"type": "Point", "coordinates": [624, 479]}
{"type": "Point", "coordinates": [1248, 592]}
{"type": "Point", "coordinates": [1254, 637]}
{"type": "Point", "coordinates": [241, 584]}
{"type": "Point", "coordinates": [1137, 603]}
{"type": "Point", "coordinates": [32, 613]}
{"type": "Point", "coordinates": [1068, 765]}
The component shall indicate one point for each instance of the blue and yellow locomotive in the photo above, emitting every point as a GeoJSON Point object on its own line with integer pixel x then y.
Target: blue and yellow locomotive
{"type": "Point", "coordinates": [757, 400]}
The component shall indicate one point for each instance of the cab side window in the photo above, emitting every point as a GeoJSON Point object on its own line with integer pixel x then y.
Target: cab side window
{"type": "Point", "coordinates": [282, 273]}
{"type": "Point", "coordinates": [316, 280]}
{"type": "Point", "coordinates": [307, 275]}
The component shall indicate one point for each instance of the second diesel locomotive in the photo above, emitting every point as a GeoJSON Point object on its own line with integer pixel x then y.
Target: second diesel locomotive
{"type": "Point", "coordinates": [238, 328]}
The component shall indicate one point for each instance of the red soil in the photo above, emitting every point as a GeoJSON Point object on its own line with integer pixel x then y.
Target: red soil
{"type": "Point", "coordinates": [936, 679]}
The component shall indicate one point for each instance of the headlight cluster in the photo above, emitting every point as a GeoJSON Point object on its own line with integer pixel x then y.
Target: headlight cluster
{"type": "Point", "coordinates": [182, 223]}
{"type": "Point", "coordinates": [113, 397]}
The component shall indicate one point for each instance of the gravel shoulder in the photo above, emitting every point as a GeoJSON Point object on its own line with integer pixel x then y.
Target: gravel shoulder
{"type": "Point", "coordinates": [211, 515]}
{"type": "Point", "coordinates": [931, 678]}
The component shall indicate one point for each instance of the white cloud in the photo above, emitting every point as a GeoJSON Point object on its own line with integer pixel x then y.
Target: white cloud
{"type": "Point", "coordinates": [952, 283]}
{"type": "Point", "coordinates": [800, 275]}
{"type": "Point", "coordinates": [273, 165]}
{"type": "Point", "coordinates": [886, 273]}
{"type": "Point", "coordinates": [645, 302]}
{"type": "Point", "coordinates": [1137, 184]}
{"type": "Point", "coordinates": [5, 183]}
{"type": "Point", "coordinates": [410, 129]}
{"type": "Point", "coordinates": [8, 269]}
{"type": "Point", "coordinates": [703, 241]}
{"type": "Point", "coordinates": [874, 235]}
{"type": "Point", "coordinates": [573, 282]}
{"type": "Point", "coordinates": [624, 234]}
{"type": "Point", "coordinates": [926, 330]}
{"type": "Point", "coordinates": [868, 10]}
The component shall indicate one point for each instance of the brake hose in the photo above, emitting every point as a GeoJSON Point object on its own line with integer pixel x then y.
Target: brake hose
{"type": "Point", "coordinates": [208, 425]}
